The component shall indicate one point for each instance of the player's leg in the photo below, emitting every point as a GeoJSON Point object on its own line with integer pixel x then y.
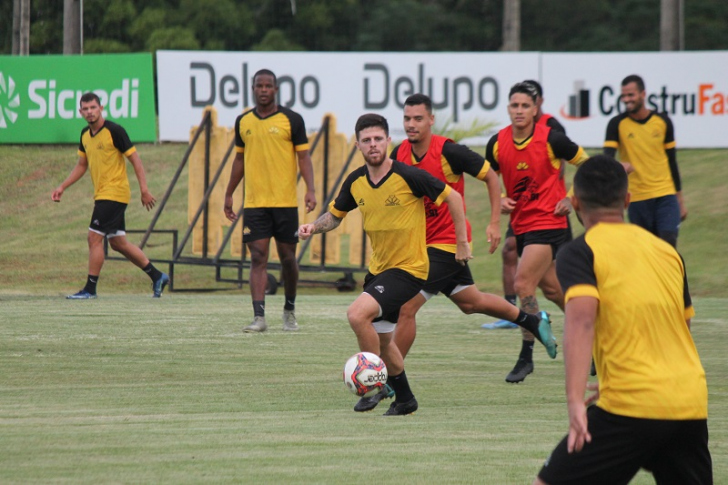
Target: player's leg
{"type": "Point", "coordinates": [95, 242]}
{"type": "Point", "coordinates": [258, 232]}
{"type": "Point", "coordinates": [285, 227]}
{"type": "Point", "coordinates": [509, 256]}
{"type": "Point", "coordinates": [667, 218]}
{"type": "Point", "coordinates": [642, 213]}
{"type": "Point", "coordinates": [404, 401]}
{"type": "Point", "coordinates": [361, 314]}
{"type": "Point", "coordinates": [404, 335]}
{"type": "Point", "coordinates": [133, 253]}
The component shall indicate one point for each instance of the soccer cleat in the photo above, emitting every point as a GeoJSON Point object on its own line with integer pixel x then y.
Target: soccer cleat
{"type": "Point", "coordinates": [289, 321]}
{"type": "Point", "coordinates": [545, 336]}
{"type": "Point", "coordinates": [258, 325]}
{"type": "Point", "coordinates": [402, 408]}
{"type": "Point", "coordinates": [82, 295]}
{"type": "Point", "coordinates": [520, 371]}
{"type": "Point", "coordinates": [500, 324]}
{"type": "Point", "coordinates": [159, 285]}
{"type": "Point", "coordinates": [368, 403]}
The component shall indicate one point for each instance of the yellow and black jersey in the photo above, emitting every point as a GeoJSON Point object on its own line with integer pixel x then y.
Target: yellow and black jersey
{"type": "Point", "coordinates": [645, 357]}
{"type": "Point", "coordinates": [551, 122]}
{"type": "Point", "coordinates": [394, 215]}
{"type": "Point", "coordinates": [105, 151]}
{"type": "Point", "coordinates": [649, 145]}
{"type": "Point", "coordinates": [269, 145]}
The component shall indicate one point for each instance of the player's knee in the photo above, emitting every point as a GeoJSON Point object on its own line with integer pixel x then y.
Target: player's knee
{"type": "Point", "coordinates": [116, 244]}
{"type": "Point", "coordinates": [467, 307]}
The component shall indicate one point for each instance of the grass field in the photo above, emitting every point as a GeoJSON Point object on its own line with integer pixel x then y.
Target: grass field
{"type": "Point", "coordinates": [126, 389]}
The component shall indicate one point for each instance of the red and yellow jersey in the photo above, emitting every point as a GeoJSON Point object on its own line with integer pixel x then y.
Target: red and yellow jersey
{"type": "Point", "coordinates": [447, 161]}
{"type": "Point", "coordinates": [646, 360]}
{"type": "Point", "coordinates": [105, 151]}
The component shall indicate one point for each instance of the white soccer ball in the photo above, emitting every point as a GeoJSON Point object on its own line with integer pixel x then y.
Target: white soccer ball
{"type": "Point", "coordinates": [365, 374]}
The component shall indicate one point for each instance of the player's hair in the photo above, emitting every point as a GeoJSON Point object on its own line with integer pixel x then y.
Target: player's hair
{"type": "Point", "coordinates": [524, 88]}
{"type": "Point", "coordinates": [634, 78]}
{"type": "Point", "coordinates": [418, 99]}
{"type": "Point", "coordinates": [601, 182]}
{"type": "Point", "coordinates": [88, 97]}
{"type": "Point", "coordinates": [371, 120]}
{"type": "Point", "coordinates": [536, 85]}
{"type": "Point", "coordinates": [266, 72]}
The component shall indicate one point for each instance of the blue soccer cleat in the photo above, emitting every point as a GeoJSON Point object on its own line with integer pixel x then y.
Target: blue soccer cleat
{"type": "Point", "coordinates": [159, 285]}
{"type": "Point", "coordinates": [82, 295]}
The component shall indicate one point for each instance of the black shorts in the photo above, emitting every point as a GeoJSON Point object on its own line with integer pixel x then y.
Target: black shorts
{"type": "Point", "coordinates": [675, 452]}
{"type": "Point", "coordinates": [392, 288]}
{"type": "Point", "coordinates": [553, 237]}
{"type": "Point", "coordinates": [446, 273]}
{"type": "Point", "coordinates": [509, 231]}
{"type": "Point", "coordinates": [280, 223]}
{"type": "Point", "coordinates": [108, 218]}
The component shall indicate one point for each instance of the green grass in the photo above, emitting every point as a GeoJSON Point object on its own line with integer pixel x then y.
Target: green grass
{"type": "Point", "coordinates": [126, 389]}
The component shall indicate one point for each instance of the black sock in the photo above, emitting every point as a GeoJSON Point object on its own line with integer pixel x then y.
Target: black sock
{"type": "Point", "coordinates": [290, 303]}
{"type": "Point", "coordinates": [152, 272]}
{"type": "Point", "coordinates": [259, 308]}
{"type": "Point", "coordinates": [91, 284]}
{"type": "Point", "coordinates": [526, 351]}
{"type": "Point", "coordinates": [511, 299]}
{"type": "Point", "coordinates": [402, 391]}
{"type": "Point", "coordinates": [528, 321]}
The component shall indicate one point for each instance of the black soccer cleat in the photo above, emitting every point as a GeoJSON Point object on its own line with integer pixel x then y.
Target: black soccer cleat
{"type": "Point", "coordinates": [402, 408]}
{"type": "Point", "coordinates": [368, 403]}
{"type": "Point", "coordinates": [520, 371]}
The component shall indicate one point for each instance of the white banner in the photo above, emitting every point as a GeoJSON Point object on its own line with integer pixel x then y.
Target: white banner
{"type": "Point", "coordinates": [464, 87]}
{"type": "Point", "coordinates": [581, 90]}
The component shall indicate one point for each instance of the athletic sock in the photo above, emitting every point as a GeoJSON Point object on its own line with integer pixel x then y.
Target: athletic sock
{"type": "Point", "coordinates": [528, 321]}
{"type": "Point", "coordinates": [290, 303]}
{"type": "Point", "coordinates": [402, 391]}
{"type": "Point", "coordinates": [526, 351]}
{"type": "Point", "coordinates": [152, 272]}
{"type": "Point", "coordinates": [259, 308]}
{"type": "Point", "coordinates": [91, 284]}
{"type": "Point", "coordinates": [511, 299]}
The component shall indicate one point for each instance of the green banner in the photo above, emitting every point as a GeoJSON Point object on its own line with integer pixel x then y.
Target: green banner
{"type": "Point", "coordinates": [40, 95]}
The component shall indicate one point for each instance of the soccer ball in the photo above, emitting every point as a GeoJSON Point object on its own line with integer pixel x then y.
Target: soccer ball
{"type": "Point", "coordinates": [365, 374]}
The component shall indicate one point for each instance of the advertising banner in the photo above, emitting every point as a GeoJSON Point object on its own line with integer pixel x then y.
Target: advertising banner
{"type": "Point", "coordinates": [464, 87]}
{"type": "Point", "coordinates": [39, 95]}
{"type": "Point", "coordinates": [582, 91]}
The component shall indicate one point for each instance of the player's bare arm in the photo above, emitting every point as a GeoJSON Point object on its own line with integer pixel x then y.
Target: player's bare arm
{"type": "Point", "coordinates": [325, 223]}
{"type": "Point", "coordinates": [493, 232]}
{"type": "Point", "coordinates": [78, 171]}
{"type": "Point", "coordinates": [306, 168]}
{"type": "Point", "coordinates": [457, 212]}
{"type": "Point", "coordinates": [148, 199]}
{"type": "Point", "coordinates": [236, 175]}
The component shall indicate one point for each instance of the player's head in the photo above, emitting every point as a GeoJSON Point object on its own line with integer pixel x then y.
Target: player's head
{"type": "Point", "coordinates": [372, 138]}
{"type": "Point", "coordinates": [600, 183]}
{"type": "Point", "coordinates": [539, 91]}
{"type": "Point", "coordinates": [633, 93]}
{"type": "Point", "coordinates": [418, 118]}
{"type": "Point", "coordinates": [265, 88]}
{"type": "Point", "coordinates": [90, 107]}
{"type": "Point", "coordinates": [522, 105]}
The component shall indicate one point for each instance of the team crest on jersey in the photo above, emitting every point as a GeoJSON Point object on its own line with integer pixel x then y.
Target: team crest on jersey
{"type": "Point", "coordinates": [391, 200]}
{"type": "Point", "coordinates": [379, 288]}
{"type": "Point", "coordinates": [246, 230]}
{"type": "Point", "coordinates": [361, 202]}
{"type": "Point", "coordinates": [522, 166]}
{"type": "Point", "coordinates": [274, 130]}
{"type": "Point", "coordinates": [100, 146]}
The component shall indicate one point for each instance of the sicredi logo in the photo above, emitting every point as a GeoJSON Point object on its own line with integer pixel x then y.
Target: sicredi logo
{"type": "Point", "coordinates": [9, 101]}
{"type": "Point", "coordinates": [50, 102]}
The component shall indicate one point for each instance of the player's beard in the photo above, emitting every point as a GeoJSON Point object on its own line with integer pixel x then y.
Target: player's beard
{"type": "Point", "coordinates": [374, 160]}
{"type": "Point", "coordinates": [636, 107]}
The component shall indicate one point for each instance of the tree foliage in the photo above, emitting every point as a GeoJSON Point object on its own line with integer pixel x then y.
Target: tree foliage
{"type": "Point", "coordinates": [365, 25]}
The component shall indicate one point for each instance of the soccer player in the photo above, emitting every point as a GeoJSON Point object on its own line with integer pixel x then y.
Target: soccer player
{"type": "Point", "coordinates": [529, 158]}
{"type": "Point", "coordinates": [102, 149]}
{"type": "Point", "coordinates": [646, 143]}
{"type": "Point", "coordinates": [389, 195]}
{"type": "Point", "coordinates": [509, 255]}
{"type": "Point", "coordinates": [449, 161]}
{"type": "Point", "coordinates": [652, 398]}
{"type": "Point", "coordinates": [269, 140]}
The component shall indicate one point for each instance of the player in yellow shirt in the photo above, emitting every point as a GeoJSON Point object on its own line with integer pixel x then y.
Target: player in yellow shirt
{"type": "Point", "coordinates": [389, 195]}
{"type": "Point", "coordinates": [102, 149]}
{"type": "Point", "coordinates": [651, 404]}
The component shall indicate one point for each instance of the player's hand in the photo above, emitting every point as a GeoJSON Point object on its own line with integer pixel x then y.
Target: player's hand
{"type": "Point", "coordinates": [507, 205]}
{"type": "Point", "coordinates": [592, 386]}
{"type": "Point", "coordinates": [494, 236]}
{"type": "Point", "coordinates": [563, 207]}
{"type": "Point", "coordinates": [627, 167]}
{"type": "Point", "coordinates": [578, 427]}
{"type": "Point", "coordinates": [57, 194]}
{"type": "Point", "coordinates": [310, 200]}
{"type": "Point", "coordinates": [463, 253]}
{"type": "Point", "coordinates": [305, 231]}
{"type": "Point", "coordinates": [228, 209]}
{"type": "Point", "coordinates": [683, 209]}
{"type": "Point", "coordinates": [148, 200]}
